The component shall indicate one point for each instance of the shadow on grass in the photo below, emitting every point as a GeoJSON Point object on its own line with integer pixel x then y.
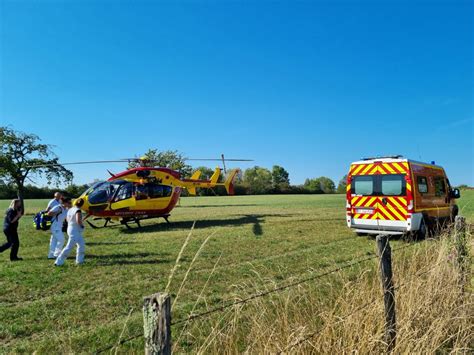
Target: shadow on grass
{"type": "Point", "coordinates": [109, 243]}
{"type": "Point", "coordinates": [129, 259]}
{"type": "Point", "coordinates": [126, 255]}
{"type": "Point", "coordinates": [394, 237]}
{"type": "Point", "coordinates": [132, 262]}
{"type": "Point", "coordinates": [218, 206]}
{"type": "Point", "coordinates": [254, 219]}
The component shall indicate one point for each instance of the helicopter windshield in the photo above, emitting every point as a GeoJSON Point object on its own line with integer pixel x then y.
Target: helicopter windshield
{"type": "Point", "coordinates": [104, 192]}
{"type": "Point", "coordinates": [92, 187]}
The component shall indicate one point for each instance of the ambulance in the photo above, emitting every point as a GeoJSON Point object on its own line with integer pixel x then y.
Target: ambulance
{"type": "Point", "coordinates": [394, 195]}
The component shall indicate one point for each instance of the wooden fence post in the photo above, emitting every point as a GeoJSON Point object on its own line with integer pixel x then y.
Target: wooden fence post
{"type": "Point", "coordinates": [460, 238]}
{"type": "Point", "coordinates": [460, 243]}
{"type": "Point", "coordinates": [385, 253]}
{"type": "Point", "coordinates": [157, 324]}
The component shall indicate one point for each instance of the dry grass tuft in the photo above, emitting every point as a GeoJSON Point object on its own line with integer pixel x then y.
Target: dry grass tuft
{"type": "Point", "coordinates": [344, 313]}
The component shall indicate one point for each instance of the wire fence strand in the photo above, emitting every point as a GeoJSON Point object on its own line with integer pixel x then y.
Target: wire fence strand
{"type": "Point", "coordinates": [358, 309]}
{"type": "Point", "coordinates": [192, 317]}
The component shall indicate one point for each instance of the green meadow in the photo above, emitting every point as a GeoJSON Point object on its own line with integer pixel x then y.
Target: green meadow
{"type": "Point", "coordinates": [245, 242]}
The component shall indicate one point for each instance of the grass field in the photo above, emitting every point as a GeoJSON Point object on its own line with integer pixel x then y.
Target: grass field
{"type": "Point", "coordinates": [253, 241]}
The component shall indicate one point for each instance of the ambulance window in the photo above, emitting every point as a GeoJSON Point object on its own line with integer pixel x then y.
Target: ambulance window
{"type": "Point", "coordinates": [393, 185]}
{"type": "Point", "coordinates": [440, 186]}
{"type": "Point", "coordinates": [422, 183]}
{"type": "Point", "coordinates": [363, 185]}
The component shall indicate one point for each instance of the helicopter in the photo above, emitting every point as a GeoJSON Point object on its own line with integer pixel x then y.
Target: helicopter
{"type": "Point", "coordinates": [145, 192]}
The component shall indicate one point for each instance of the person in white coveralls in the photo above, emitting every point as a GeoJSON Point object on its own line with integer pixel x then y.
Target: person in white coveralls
{"type": "Point", "coordinates": [58, 213]}
{"type": "Point", "coordinates": [74, 231]}
{"type": "Point", "coordinates": [56, 201]}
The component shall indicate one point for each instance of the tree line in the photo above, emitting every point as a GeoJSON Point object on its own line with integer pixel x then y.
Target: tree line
{"type": "Point", "coordinates": [24, 158]}
{"type": "Point", "coordinates": [253, 181]}
{"type": "Point", "coordinates": [262, 181]}
{"type": "Point", "coordinates": [31, 191]}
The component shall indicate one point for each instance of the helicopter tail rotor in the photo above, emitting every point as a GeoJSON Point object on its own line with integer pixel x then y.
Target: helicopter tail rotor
{"type": "Point", "coordinates": [229, 182]}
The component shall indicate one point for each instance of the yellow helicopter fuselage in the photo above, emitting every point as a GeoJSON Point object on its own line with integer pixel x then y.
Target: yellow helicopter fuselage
{"type": "Point", "coordinates": [145, 192]}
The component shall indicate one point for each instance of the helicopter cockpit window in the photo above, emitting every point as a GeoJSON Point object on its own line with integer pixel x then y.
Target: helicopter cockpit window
{"type": "Point", "coordinates": [102, 193]}
{"type": "Point", "coordinates": [157, 190]}
{"type": "Point", "coordinates": [125, 192]}
{"type": "Point", "coordinates": [141, 192]}
{"type": "Point", "coordinates": [93, 187]}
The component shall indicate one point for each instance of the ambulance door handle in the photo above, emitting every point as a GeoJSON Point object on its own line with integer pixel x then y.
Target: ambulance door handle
{"type": "Point", "coordinates": [384, 201]}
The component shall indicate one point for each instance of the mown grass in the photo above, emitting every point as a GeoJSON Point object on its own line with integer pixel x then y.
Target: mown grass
{"type": "Point", "coordinates": [256, 241]}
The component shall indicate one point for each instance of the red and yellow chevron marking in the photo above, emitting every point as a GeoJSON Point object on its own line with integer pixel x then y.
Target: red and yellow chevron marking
{"type": "Point", "coordinates": [395, 208]}
{"type": "Point", "coordinates": [364, 202]}
{"type": "Point", "coordinates": [379, 168]}
{"type": "Point", "coordinates": [408, 185]}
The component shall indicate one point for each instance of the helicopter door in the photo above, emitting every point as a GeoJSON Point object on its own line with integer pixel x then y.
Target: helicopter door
{"type": "Point", "coordinates": [124, 197]}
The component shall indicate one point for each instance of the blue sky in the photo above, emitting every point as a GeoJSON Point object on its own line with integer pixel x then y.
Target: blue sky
{"type": "Point", "coordinates": [309, 85]}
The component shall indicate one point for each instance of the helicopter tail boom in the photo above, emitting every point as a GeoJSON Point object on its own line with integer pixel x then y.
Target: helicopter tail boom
{"type": "Point", "coordinates": [192, 184]}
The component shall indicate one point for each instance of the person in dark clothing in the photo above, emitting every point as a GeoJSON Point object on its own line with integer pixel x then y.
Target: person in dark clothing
{"type": "Point", "coordinates": [10, 228]}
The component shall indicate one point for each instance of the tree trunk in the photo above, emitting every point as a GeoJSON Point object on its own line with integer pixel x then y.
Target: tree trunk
{"type": "Point", "coordinates": [21, 193]}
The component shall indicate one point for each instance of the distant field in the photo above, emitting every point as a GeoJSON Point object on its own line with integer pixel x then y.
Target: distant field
{"type": "Point", "coordinates": [255, 239]}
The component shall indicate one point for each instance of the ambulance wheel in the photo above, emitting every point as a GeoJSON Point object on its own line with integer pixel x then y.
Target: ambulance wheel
{"type": "Point", "coordinates": [454, 213]}
{"type": "Point", "coordinates": [422, 232]}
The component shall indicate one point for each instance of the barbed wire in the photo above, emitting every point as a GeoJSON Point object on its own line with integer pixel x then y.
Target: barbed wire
{"type": "Point", "coordinates": [121, 342]}
{"type": "Point", "coordinates": [274, 256]}
{"type": "Point", "coordinates": [279, 288]}
{"type": "Point", "coordinates": [313, 334]}
{"type": "Point", "coordinates": [224, 266]}
{"type": "Point", "coordinates": [193, 317]}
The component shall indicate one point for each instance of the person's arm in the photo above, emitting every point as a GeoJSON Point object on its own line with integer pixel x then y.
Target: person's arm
{"type": "Point", "coordinates": [53, 212]}
{"type": "Point", "coordinates": [79, 218]}
{"type": "Point", "coordinates": [13, 215]}
{"type": "Point", "coordinates": [19, 214]}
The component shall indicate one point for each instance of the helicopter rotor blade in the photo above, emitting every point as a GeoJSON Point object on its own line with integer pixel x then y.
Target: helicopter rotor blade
{"type": "Point", "coordinates": [78, 163]}
{"type": "Point", "coordinates": [223, 163]}
{"type": "Point", "coordinates": [226, 159]}
{"type": "Point", "coordinates": [190, 159]}
{"type": "Point", "coordinates": [127, 160]}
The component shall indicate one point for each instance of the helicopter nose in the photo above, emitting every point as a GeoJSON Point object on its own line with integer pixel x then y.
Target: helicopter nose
{"type": "Point", "coordinates": [85, 206]}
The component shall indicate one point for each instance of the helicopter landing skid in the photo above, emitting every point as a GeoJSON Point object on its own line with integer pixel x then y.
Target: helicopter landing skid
{"type": "Point", "coordinates": [137, 220]}
{"type": "Point", "coordinates": [107, 220]}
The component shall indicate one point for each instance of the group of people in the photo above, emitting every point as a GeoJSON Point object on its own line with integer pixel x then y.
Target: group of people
{"type": "Point", "coordinates": [61, 210]}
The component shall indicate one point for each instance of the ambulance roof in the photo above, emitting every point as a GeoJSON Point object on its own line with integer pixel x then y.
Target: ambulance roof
{"type": "Point", "coordinates": [394, 159]}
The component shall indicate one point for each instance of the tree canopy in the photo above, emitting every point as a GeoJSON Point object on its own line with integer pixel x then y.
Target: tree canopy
{"type": "Point", "coordinates": [320, 185]}
{"type": "Point", "coordinates": [280, 179]}
{"type": "Point", "coordinates": [23, 157]}
{"type": "Point", "coordinates": [171, 159]}
{"type": "Point", "coordinates": [341, 187]}
{"type": "Point", "coordinates": [257, 180]}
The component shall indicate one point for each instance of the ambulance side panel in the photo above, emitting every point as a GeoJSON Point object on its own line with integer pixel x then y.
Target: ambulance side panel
{"type": "Point", "coordinates": [431, 191]}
